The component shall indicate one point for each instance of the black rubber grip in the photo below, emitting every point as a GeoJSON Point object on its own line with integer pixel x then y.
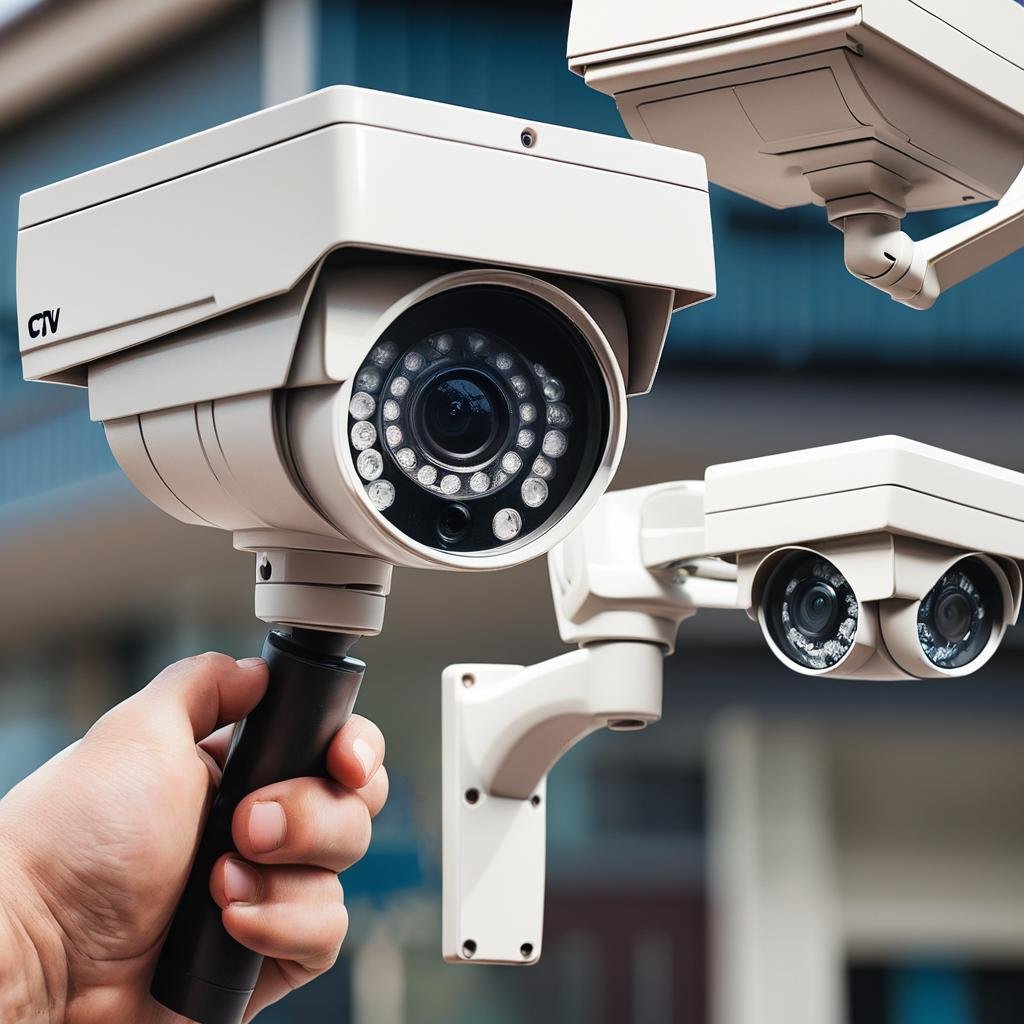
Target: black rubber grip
{"type": "Point", "coordinates": [203, 973]}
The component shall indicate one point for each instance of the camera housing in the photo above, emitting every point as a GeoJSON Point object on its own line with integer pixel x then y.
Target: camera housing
{"type": "Point", "coordinates": [870, 108]}
{"type": "Point", "coordinates": [360, 330]}
{"type": "Point", "coordinates": [875, 559]}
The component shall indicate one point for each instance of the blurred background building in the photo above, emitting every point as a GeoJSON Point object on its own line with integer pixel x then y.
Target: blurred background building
{"type": "Point", "coordinates": [778, 850]}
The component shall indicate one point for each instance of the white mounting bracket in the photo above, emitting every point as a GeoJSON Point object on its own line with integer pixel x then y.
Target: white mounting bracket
{"type": "Point", "coordinates": [916, 273]}
{"type": "Point", "coordinates": [505, 726]}
{"type": "Point", "coordinates": [622, 583]}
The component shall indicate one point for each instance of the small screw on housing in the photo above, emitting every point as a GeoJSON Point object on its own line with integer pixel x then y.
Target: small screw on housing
{"type": "Point", "coordinates": [266, 570]}
{"type": "Point", "coordinates": [528, 137]}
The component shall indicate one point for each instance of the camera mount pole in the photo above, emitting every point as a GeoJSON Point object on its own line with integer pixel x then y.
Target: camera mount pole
{"type": "Point", "coordinates": [622, 585]}
{"type": "Point", "coordinates": [326, 601]}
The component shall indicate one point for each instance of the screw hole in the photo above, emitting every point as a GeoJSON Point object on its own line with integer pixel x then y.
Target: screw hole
{"type": "Point", "coordinates": [469, 680]}
{"type": "Point", "coordinates": [526, 949]}
{"type": "Point", "coordinates": [266, 569]}
{"type": "Point", "coordinates": [535, 801]}
{"type": "Point", "coordinates": [969, 199]}
{"type": "Point", "coordinates": [627, 724]}
{"type": "Point", "coordinates": [472, 796]}
{"type": "Point", "coordinates": [528, 138]}
{"type": "Point", "coordinates": [469, 949]}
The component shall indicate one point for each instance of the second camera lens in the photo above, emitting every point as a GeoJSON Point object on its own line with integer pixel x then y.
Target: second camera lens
{"type": "Point", "coordinates": [956, 618]}
{"type": "Point", "coordinates": [453, 523]}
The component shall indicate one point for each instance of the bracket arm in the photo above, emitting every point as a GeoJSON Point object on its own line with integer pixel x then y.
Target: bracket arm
{"type": "Point", "coordinates": [916, 273]}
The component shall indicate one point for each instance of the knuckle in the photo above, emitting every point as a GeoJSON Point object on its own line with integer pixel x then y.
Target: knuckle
{"type": "Point", "coordinates": [362, 832]}
{"type": "Point", "coordinates": [338, 929]}
{"type": "Point", "coordinates": [208, 661]}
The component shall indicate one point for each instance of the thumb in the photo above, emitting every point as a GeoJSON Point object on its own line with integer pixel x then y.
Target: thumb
{"type": "Point", "coordinates": [208, 691]}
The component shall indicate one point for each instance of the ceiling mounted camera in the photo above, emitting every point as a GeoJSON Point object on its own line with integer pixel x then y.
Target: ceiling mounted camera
{"type": "Point", "coordinates": [870, 108]}
{"type": "Point", "coordinates": [876, 559]}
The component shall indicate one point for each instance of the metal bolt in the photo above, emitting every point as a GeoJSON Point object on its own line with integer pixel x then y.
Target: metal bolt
{"type": "Point", "coordinates": [528, 138]}
{"type": "Point", "coordinates": [526, 949]}
{"type": "Point", "coordinates": [469, 680]}
{"type": "Point", "coordinates": [266, 570]}
{"type": "Point", "coordinates": [472, 796]}
{"type": "Point", "coordinates": [468, 949]}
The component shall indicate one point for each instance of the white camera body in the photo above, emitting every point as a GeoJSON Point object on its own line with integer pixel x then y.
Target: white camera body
{"type": "Point", "coordinates": [871, 108]}
{"type": "Point", "coordinates": [233, 300]}
{"type": "Point", "coordinates": [895, 518]}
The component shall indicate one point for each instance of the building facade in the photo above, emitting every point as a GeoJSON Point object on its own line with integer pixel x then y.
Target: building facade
{"type": "Point", "coordinates": [664, 846]}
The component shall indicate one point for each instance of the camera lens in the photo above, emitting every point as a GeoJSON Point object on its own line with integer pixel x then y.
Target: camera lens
{"type": "Point", "coordinates": [815, 608]}
{"type": "Point", "coordinates": [811, 611]}
{"type": "Point", "coordinates": [955, 619]}
{"type": "Point", "coordinates": [461, 416]}
{"type": "Point", "coordinates": [477, 419]}
{"type": "Point", "coordinates": [953, 616]}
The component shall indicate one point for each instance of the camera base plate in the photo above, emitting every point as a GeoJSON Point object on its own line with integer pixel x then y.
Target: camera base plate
{"type": "Point", "coordinates": [494, 847]}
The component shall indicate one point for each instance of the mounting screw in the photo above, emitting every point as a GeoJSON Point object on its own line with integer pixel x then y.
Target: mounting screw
{"type": "Point", "coordinates": [469, 680]}
{"type": "Point", "coordinates": [468, 949]}
{"type": "Point", "coordinates": [526, 949]}
{"type": "Point", "coordinates": [528, 138]}
{"type": "Point", "coordinates": [266, 570]}
{"type": "Point", "coordinates": [472, 796]}
{"type": "Point", "coordinates": [535, 801]}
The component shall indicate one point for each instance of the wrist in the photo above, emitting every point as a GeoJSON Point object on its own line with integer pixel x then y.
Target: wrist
{"type": "Point", "coordinates": [33, 964]}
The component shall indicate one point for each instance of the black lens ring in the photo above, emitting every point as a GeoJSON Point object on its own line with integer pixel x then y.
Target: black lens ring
{"type": "Point", "coordinates": [535, 333]}
{"type": "Point", "coordinates": [815, 622]}
{"type": "Point", "coordinates": [973, 581]}
{"type": "Point", "coordinates": [815, 645]}
{"type": "Point", "coordinates": [502, 427]}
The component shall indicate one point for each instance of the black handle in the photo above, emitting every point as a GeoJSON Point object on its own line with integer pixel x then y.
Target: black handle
{"type": "Point", "coordinates": [203, 973]}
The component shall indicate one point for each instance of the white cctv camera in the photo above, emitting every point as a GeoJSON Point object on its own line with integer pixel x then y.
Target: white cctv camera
{"type": "Point", "coordinates": [358, 331]}
{"type": "Point", "coordinates": [870, 108]}
{"type": "Point", "coordinates": [875, 559]}
{"type": "Point", "coordinates": [366, 325]}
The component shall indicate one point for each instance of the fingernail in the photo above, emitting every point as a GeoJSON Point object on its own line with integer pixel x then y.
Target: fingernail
{"type": "Point", "coordinates": [267, 826]}
{"type": "Point", "coordinates": [249, 662]}
{"type": "Point", "coordinates": [366, 756]}
{"type": "Point", "coordinates": [241, 883]}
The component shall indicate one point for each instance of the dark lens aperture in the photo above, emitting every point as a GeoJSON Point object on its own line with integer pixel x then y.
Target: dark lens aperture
{"type": "Point", "coordinates": [955, 619]}
{"type": "Point", "coordinates": [811, 611]}
{"type": "Point", "coordinates": [815, 608]}
{"type": "Point", "coordinates": [953, 616]}
{"type": "Point", "coordinates": [460, 415]}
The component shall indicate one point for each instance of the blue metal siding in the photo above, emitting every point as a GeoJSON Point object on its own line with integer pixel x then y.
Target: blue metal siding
{"type": "Point", "coordinates": [785, 297]}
